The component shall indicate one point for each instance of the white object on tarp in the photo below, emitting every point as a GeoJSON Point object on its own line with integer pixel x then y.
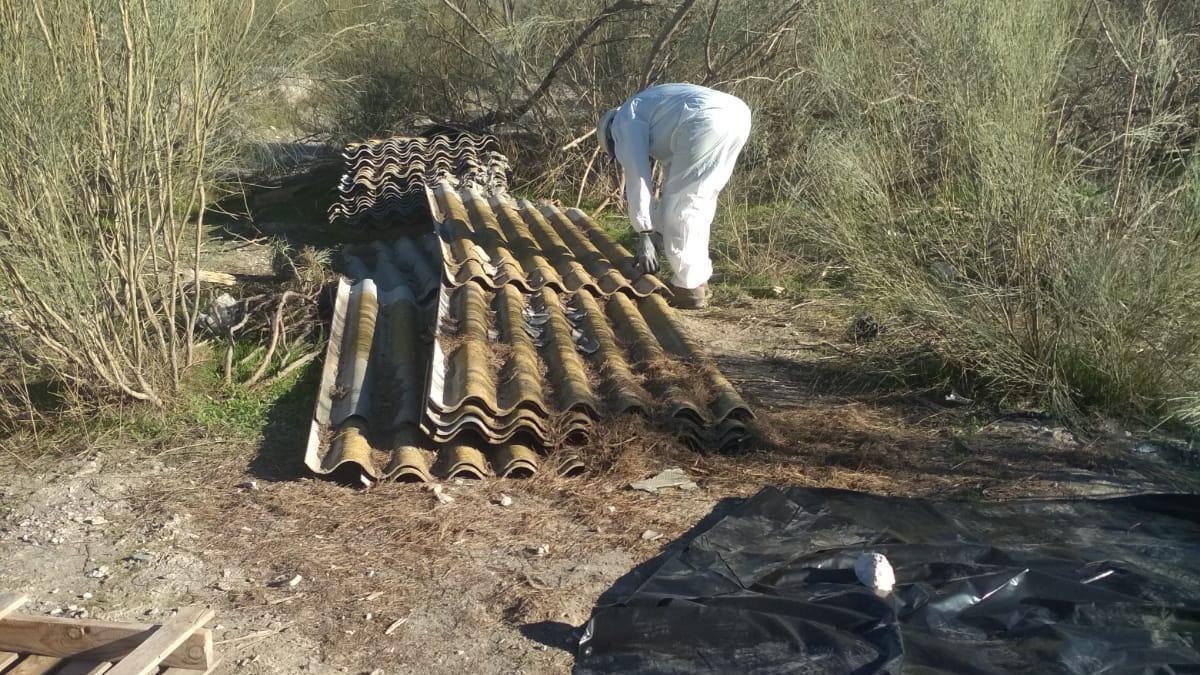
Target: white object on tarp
{"type": "Point", "coordinates": [874, 571]}
{"type": "Point", "coordinates": [696, 134]}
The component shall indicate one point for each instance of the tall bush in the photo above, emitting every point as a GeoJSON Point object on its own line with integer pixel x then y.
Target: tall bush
{"type": "Point", "coordinates": [115, 118]}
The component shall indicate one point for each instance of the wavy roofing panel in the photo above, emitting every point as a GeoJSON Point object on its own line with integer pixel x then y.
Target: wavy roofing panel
{"type": "Point", "coordinates": [373, 392]}
{"type": "Point", "coordinates": [548, 365]}
{"type": "Point", "coordinates": [495, 241]}
{"type": "Point", "coordinates": [384, 182]}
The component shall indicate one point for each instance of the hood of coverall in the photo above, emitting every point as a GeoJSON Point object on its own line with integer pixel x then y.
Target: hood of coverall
{"type": "Point", "coordinates": [604, 131]}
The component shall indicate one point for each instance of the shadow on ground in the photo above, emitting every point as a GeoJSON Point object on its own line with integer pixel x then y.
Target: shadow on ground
{"type": "Point", "coordinates": [280, 455]}
{"type": "Point", "coordinates": [564, 636]}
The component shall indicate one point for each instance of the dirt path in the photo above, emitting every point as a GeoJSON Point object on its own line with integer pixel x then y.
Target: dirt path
{"type": "Point", "coordinates": [474, 586]}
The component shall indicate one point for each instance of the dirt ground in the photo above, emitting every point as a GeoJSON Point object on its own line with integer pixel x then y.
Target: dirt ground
{"type": "Point", "coordinates": [391, 580]}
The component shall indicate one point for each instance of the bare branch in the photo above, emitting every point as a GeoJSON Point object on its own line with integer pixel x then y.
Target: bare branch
{"type": "Point", "coordinates": [664, 39]}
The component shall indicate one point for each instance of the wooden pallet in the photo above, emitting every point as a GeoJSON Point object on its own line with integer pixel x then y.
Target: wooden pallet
{"type": "Point", "coordinates": [46, 645]}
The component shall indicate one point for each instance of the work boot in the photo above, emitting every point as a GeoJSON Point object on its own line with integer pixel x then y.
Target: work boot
{"type": "Point", "coordinates": [689, 298]}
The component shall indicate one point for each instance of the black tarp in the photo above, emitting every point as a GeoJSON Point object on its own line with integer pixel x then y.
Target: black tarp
{"type": "Point", "coordinates": [1038, 586]}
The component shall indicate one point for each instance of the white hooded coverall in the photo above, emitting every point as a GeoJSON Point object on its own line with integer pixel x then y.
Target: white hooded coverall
{"type": "Point", "coordinates": [696, 134]}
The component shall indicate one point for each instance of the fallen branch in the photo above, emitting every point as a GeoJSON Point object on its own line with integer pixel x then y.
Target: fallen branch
{"type": "Point", "coordinates": [189, 276]}
{"type": "Point", "coordinates": [276, 328]}
{"type": "Point", "coordinates": [293, 366]}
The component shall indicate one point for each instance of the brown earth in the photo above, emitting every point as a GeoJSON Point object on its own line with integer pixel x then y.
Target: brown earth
{"type": "Point", "coordinates": [473, 586]}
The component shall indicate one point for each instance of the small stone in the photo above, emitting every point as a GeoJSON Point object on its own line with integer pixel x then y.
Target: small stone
{"type": "Point", "coordinates": [95, 520]}
{"type": "Point", "coordinates": [100, 572]}
{"type": "Point", "coordinates": [56, 611]}
{"type": "Point", "coordinates": [651, 535]}
{"type": "Point", "coordinates": [439, 493]}
{"type": "Point", "coordinates": [539, 551]}
{"type": "Point", "coordinates": [370, 574]}
{"type": "Point", "coordinates": [504, 500]}
{"type": "Point", "coordinates": [286, 581]}
{"type": "Point", "coordinates": [369, 616]}
{"type": "Point", "coordinates": [86, 596]}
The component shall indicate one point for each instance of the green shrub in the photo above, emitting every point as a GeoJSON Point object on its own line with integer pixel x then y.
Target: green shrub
{"type": "Point", "coordinates": [118, 118]}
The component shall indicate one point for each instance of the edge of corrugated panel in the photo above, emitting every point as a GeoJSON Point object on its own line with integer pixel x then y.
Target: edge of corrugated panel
{"type": "Point", "coordinates": [328, 375]}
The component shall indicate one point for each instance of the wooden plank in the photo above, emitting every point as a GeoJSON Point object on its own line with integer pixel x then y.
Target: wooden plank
{"type": "Point", "coordinates": [89, 668]}
{"type": "Point", "coordinates": [7, 658]}
{"type": "Point", "coordinates": [35, 665]}
{"type": "Point", "coordinates": [9, 602]}
{"type": "Point", "coordinates": [163, 641]}
{"type": "Point", "coordinates": [92, 640]}
{"type": "Point", "coordinates": [184, 671]}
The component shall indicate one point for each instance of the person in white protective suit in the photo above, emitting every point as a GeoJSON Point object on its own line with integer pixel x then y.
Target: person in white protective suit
{"type": "Point", "coordinates": [696, 134]}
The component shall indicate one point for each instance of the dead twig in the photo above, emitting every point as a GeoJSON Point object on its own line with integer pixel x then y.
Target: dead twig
{"type": "Point", "coordinates": [568, 52]}
{"type": "Point", "coordinates": [577, 141]}
{"type": "Point", "coordinates": [664, 39]}
{"type": "Point", "coordinates": [586, 172]}
{"type": "Point", "coordinates": [276, 329]}
{"type": "Point", "coordinates": [294, 365]}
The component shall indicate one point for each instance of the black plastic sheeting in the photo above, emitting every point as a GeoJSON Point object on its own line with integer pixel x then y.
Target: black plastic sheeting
{"type": "Point", "coordinates": [1047, 586]}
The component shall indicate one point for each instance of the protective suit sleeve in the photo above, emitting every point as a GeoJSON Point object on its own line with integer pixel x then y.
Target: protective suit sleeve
{"type": "Point", "coordinates": [631, 138]}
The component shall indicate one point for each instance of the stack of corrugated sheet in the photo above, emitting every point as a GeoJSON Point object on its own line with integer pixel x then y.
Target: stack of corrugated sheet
{"type": "Point", "coordinates": [507, 333]}
{"type": "Point", "coordinates": [545, 326]}
{"type": "Point", "coordinates": [385, 180]}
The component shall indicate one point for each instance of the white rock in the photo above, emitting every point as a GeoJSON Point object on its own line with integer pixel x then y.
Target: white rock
{"type": "Point", "coordinates": [439, 493]}
{"type": "Point", "coordinates": [651, 535]}
{"type": "Point", "coordinates": [874, 571]}
{"type": "Point", "coordinates": [504, 500]}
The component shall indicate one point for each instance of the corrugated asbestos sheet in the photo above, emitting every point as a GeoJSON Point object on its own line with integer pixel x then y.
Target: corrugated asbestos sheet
{"type": "Point", "coordinates": [512, 329]}
{"type": "Point", "coordinates": [385, 180]}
